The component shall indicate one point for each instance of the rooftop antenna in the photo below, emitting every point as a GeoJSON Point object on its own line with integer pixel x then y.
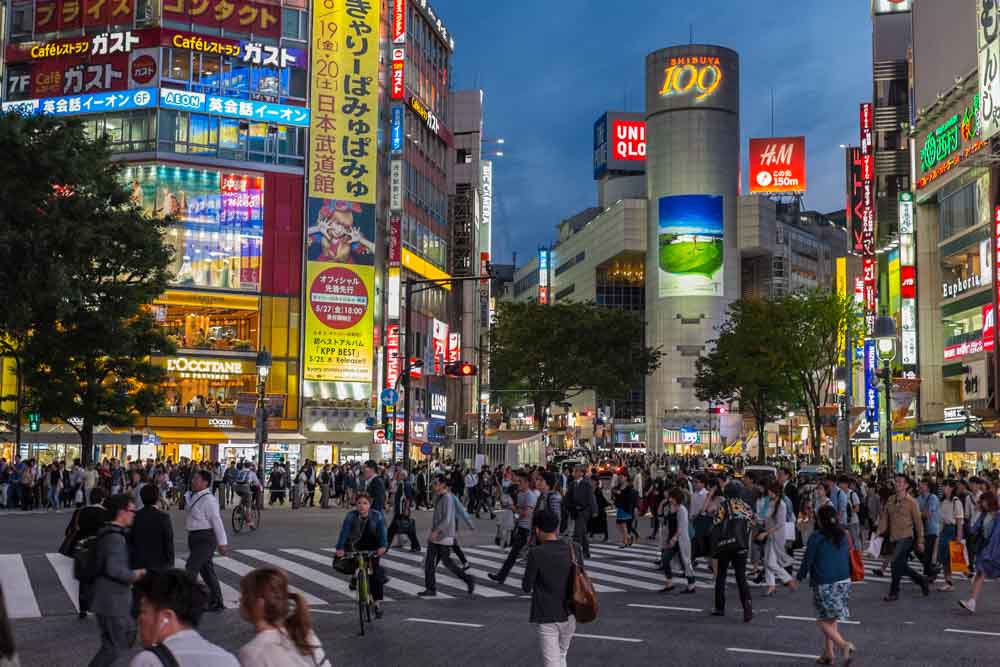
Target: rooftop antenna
{"type": "Point", "coordinates": [772, 111]}
{"type": "Point", "coordinates": [691, 33]}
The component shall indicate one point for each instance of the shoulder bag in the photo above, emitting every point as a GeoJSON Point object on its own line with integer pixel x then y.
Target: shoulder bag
{"type": "Point", "coordinates": [583, 599]}
{"type": "Point", "coordinates": [857, 565]}
{"type": "Point", "coordinates": [732, 536]}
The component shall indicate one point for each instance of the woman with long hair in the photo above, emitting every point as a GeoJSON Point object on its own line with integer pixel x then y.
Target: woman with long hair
{"type": "Point", "coordinates": [828, 564]}
{"type": "Point", "coordinates": [776, 560]}
{"type": "Point", "coordinates": [985, 530]}
{"type": "Point", "coordinates": [952, 530]}
{"type": "Point", "coordinates": [281, 619]}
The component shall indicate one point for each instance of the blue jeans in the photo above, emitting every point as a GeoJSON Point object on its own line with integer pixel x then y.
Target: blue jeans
{"type": "Point", "coordinates": [53, 497]}
{"type": "Point", "coordinates": [901, 566]}
{"type": "Point", "coordinates": [948, 533]}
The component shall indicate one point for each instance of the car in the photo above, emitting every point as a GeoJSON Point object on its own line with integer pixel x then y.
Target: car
{"type": "Point", "coordinates": [757, 473]}
{"type": "Point", "coordinates": [809, 473]}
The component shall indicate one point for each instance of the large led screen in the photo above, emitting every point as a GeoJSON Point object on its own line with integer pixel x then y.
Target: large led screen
{"type": "Point", "coordinates": [691, 247]}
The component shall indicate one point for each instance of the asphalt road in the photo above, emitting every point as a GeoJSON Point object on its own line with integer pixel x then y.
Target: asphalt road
{"type": "Point", "coordinates": [636, 623]}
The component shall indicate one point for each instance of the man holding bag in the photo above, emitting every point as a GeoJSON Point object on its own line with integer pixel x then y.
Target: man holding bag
{"type": "Point", "coordinates": [547, 577]}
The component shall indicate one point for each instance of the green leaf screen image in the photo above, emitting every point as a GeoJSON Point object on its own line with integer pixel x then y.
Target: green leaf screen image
{"type": "Point", "coordinates": [690, 245]}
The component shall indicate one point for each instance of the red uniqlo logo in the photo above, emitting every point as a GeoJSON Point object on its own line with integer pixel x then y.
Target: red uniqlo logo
{"type": "Point", "coordinates": [628, 140]}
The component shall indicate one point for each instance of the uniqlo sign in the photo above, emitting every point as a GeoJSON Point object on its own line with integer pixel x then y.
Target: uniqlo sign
{"type": "Point", "coordinates": [628, 140]}
{"type": "Point", "coordinates": [908, 282]}
{"type": "Point", "coordinates": [777, 164]}
{"type": "Point", "coordinates": [398, 65]}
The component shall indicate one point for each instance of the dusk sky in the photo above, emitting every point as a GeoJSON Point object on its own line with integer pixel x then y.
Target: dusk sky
{"type": "Point", "coordinates": [550, 68]}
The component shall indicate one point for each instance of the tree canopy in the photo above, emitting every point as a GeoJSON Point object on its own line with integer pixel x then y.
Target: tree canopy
{"type": "Point", "coordinates": [79, 262]}
{"type": "Point", "coordinates": [549, 353]}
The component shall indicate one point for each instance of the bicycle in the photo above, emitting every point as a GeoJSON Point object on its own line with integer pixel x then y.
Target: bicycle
{"type": "Point", "coordinates": [363, 571]}
{"type": "Point", "coordinates": [245, 513]}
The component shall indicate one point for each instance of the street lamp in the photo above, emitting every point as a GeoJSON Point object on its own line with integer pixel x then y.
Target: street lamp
{"type": "Point", "coordinates": [791, 439]}
{"type": "Point", "coordinates": [843, 424]}
{"type": "Point", "coordinates": [885, 341]}
{"type": "Point", "coordinates": [263, 370]}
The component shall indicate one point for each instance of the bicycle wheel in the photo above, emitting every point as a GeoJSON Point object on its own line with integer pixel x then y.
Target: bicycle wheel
{"type": "Point", "coordinates": [239, 518]}
{"type": "Point", "coordinates": [255, 513]}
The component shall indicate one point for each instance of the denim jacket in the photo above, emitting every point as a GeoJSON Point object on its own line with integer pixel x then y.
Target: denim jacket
{"type": "Point", "coordinates": [352, 519]}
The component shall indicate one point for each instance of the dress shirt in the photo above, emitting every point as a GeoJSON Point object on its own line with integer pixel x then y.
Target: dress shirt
{"type": "Point", "coordinates": [203, 514]}
{"type": "Point", "coordinates": [190, 650]}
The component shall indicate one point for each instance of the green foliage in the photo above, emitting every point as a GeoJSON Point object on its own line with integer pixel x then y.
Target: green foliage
{"type": "Point", "coordinates": [747, 364]}
{"type": "Point", "coordinates": [78, 263]}
{"type": "Point", "coordinates": [549, 353]}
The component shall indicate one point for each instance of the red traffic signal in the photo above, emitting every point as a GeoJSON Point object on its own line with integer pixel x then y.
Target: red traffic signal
{"type": "Point", "coordinates": [461, 369]}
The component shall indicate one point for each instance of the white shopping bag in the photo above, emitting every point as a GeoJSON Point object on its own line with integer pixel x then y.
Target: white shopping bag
{"type": "Point", "coordinates": [875, 547]}
{"type": "Point", "coordinates": [789, 531]}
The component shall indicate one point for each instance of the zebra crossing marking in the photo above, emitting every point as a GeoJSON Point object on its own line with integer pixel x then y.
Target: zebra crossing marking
{"type": "Point", "coordinates": [63, 565]}
{"type": "Point", "coordinates": [241, 569]}
{"type": "Point", "coordinates": [20, 599]}
{"type": "Point", "coordinates": [393, 583]}
{"type": "Point", "coordinates": [323, 579]}
{"type": "Point", "coordinates": [230, 596]}
{"type": "Point", "coordinates": [599, 587]}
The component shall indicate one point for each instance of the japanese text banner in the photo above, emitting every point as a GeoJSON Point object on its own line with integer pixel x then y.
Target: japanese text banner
{"type": "Point", "coordinates": [343, 98]}
{"type": "Point", "coordinates": [339, 322]}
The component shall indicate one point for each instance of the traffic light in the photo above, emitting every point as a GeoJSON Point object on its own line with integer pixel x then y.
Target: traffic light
{"type": "Point", "coordinates": [461, 369]}
{"type": "Point", "coordinates": [34, 422]}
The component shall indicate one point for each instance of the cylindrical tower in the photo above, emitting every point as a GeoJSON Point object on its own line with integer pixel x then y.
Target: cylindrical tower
{"type": "Point", "coordinates": [692, 261]}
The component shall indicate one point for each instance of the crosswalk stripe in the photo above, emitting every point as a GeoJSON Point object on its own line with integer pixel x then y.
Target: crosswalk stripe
{"type": "Point", "coordinates": [475, 556]}
{"type": "Point", "coordinates": [598, 586]}
{"type": "Point", "coordinates": [481, 575]}
{"type": "Point", "coordinates": [20, 599]}
{"type": "Point", "coordinates": [230, 596]}
{"type": "Point", "coordinates": [393, 583]}
{"type": "Point", "coordinates": [63, 565]}
{"type": "Point", "coordinates": [242, 569]}
{"type": "Point", "coordinates": [444, 579]}
{"type": "Point", "coordinates": [310, 574]}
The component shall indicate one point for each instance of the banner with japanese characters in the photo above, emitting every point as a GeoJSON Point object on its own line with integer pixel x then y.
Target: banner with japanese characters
{"type": "Point", "coordinates": [343, 98]}
{"type": "Point", "coordinates": [65, 15]}
{"type": "Point", "coordinates": [339, 322]}
{"type": "Point", "coordinates": [242, 16]}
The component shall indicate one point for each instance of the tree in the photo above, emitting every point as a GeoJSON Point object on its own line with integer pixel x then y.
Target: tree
{"type": "Point", "coordinates": [550, 353]}
{"type": "Point", "coordinates": [83, 340]}
{"type": "Point", "coordinates": [814, 326]}
{"type": "Point", "coordinates": [747, 364]}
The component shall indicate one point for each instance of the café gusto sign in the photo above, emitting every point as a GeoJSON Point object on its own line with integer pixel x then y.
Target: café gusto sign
{"type": "Point", "coordinates": [204, 369]}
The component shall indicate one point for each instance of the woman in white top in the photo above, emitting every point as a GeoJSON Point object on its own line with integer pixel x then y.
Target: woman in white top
{"type": "Point", "coordinates": [284, 632]}
{"type": "Point", "coordinates": [952, 520]}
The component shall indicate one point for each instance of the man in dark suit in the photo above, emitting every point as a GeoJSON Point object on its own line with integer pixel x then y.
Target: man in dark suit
{"type": "Point", "coordinates": [374, 486]}
{"type": "Point", "coordinates": [151, 542]}
{"type": "Point", "coordinates": [582, 505]}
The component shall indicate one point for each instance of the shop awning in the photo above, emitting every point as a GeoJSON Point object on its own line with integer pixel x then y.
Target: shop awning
{"type": "Point", "coordinates": [950, 428]}
{"type": "Point", "coordinates": [733, 449]}
{"type": "Point", "coordinates": [250, 436]}
{"type": "Point", "coordinates": [206, 436]}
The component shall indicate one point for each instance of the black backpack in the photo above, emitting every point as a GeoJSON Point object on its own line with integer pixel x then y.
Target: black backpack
{"type": "Point", "coordinates": [732, 536]}
{"type": "Point", "coordinates": [87, 565]}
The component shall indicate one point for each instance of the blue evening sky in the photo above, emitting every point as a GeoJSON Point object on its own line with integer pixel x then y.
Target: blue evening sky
{"type": "Point", "coordinates": [551, 67]}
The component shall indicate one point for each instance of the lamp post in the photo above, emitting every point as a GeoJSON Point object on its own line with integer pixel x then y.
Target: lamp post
{"type": "Point", "coordinates": [843, 423]}
{"type": "Point", "coordinates": [263, 370]}
{"type": "Point", "coordinates": [791, 439]}
{"type": "Point", "coordinates": [885, 340]}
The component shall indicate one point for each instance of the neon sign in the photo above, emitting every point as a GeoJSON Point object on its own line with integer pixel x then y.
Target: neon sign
{"type": "Point", "coordinates": [685, 74]}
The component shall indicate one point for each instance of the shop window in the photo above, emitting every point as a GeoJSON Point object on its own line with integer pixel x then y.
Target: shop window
{"type": "Point", "coordinates": [180, 65]}
{"type": "Point", "coordinates": [231, 323]}
{"type": "Point", "coordinates": [206, 385]}
{"type": "Point", "coordinates": [22, 21]}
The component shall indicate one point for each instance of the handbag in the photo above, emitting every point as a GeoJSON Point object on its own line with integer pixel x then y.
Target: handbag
{"type": "Point", "coordinates": [583, 599]}
{"type": "Point", "coordinates": [959, 557]}
{"type": "Point", "coordinates": [857, 565]}
{"type": "Point", "coordinates": [875, 547]}
{"type": "Point", "coordinates": [348, 564]}
{"type": "Point", "coordinates": [732, 536]}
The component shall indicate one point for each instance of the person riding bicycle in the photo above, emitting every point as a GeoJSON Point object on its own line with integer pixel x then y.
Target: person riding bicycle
{"type": "Point", "coordinates": [364, 530]}
{"type": "Point", "coordinates": [247, 485]}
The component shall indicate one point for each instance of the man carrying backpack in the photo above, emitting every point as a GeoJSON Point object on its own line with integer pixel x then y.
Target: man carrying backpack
{"type": "Point", "coordinates": [106, 564]}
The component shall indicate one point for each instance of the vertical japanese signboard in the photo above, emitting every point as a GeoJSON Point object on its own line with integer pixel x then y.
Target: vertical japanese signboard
{"type": "Point", "coordinates": [343, 98]}
{"type": "Point", "coordinates": [871, 387]}
{"type": "Point", "coordinates": [440, 335]}
{"type": "Point", "coordinates": [988, 44]}
{"type": "Point", "coordinates": [907, 280]}
{"type": "Point", "coordinates": [543, 276]}
{"type": "Point", "coordinates": [867, 216]}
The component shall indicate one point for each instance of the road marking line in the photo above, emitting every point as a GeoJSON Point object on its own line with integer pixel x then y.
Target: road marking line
{"type": "Point", "coordinates": [435, 622]}
{"type": "Point", "coordinates": [393, 583]}
{"type": "Point", "coordinates": [242, 569]}
{"type": "Point", "coordinates": [21, 602]}
{"type": "Point", "coordinates": [813, 620]}
{"type": "Point", "coordinates": [973, 632]}
{"type": "Point", "coordinates": [660, 606]}
{"type": "Point", "coordinates": [481, 587]}
{"type": "Point", "coordinates": [230, 596]}
{"type": "Point", "coordinates": [63, 565]}
{"type": "Point", "coordinates": [630, 640]}
{"type": "Point", "coordinates": [325, 611]}
{"type": "Point", "coordinates": [781, 653]}
{"type": "Point", "coordinates": [443, 579]}
{"type": "Point", "coordinates": [309, 574]}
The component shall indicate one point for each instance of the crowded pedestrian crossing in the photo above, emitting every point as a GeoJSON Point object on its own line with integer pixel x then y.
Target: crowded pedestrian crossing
{"type": "Point", "coordinates": [39, 585]}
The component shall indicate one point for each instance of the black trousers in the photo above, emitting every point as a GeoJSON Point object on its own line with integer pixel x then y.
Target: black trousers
{"type": "Point", "coordinates": [739, 563]}
{"type": "Point", "coordinates": [410, 532]}
{"type": "Point", "coordinates": [580, 524]}
{"type": "Point", "coordinates": [927, 557]}
{"type": "Point", "coordinates": [435, 553]}
{"type": "Point", "coordinates": [517, 543]}
{"type": "Point", "coordinates": [202, 545]}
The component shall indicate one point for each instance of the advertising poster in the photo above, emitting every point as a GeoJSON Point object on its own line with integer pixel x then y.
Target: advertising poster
{"type": "Point", "coordinates": [340, 231]}
{"type": "Point", "coordinates": [691, 245]}
{"type": "Point", "coordinates": [343, 100]}
{"type": "Point", "coordinates": [339, 320]}
{"type": "Point", "coordinates": [263, 19]}
{"type": "Point", "coordinates": [220, 222]}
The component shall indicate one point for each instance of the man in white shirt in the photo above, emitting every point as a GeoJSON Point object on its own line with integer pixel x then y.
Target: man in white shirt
{"type": "Point", "coordinates": [171, 604]}
{"type": "Point", "coordinates": [699, 495]}
{"type": "Point", "coordinates": [472, 492]}
{"type": "Point", "coordinates": [206, 532]}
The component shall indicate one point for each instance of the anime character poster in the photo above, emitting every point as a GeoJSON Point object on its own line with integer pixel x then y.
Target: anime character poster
{"type": "Point", "coordinates": [341, 231]}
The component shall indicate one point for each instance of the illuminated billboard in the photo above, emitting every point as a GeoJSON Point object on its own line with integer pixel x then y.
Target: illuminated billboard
{"type": "Point", "coordinates": [891, 6]}
{"type": "Point", "coordinates": [544, 258]}
{"type": "Point", "coordinates": [619, 143]}
{"type": "Point", "coordinates": [691, 248]}
{"type": "Point", "coordinates": [777, 165]}
{"type": "Point", "coordinates": [988, 47]}
{"type": "Point", "coordinates": [866, 211]}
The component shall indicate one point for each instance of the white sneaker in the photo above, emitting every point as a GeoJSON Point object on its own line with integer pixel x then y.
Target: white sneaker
{"type": "Point", "coordinates": [969, 605]}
